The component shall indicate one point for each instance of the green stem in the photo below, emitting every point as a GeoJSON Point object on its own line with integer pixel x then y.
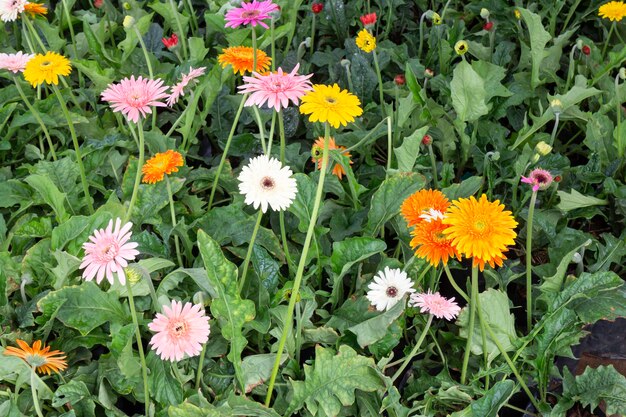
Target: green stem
{"type": "Point", "coordinates": [173, 215]}
{"type": "Point", "coordinates": [33, 391]}
{"type": "Point", "coordinates": [142, 358]}
{"type": "Point", "coordinates": [183, 37]}
{"type": "Point", "coordinates": [254, 47]}
{"type": "Point", "coordinates": [380, 81]}
{"type": "Point", "coordinates": [419, 51]}
{"type": "Point", "coordinates": [389, 146]}
{"type": "Point", "coordinates": [148, 63]}
{"type": "Point", "coordinates": [259, 122]}
{"type": "Point", "coordinates": [287, 322]}
{"type": "Point", "coordinates": [281, 214]}
{"type": "Point", "coordinates": [570, 69]}
{"type": "Point", "coordinates": [454, 284]}
{"type": "Point", "coordinates": [200, 366]}
{"type": "Point", "coordinates": [246, 261]}
{"type": "Point", "coordinates": [608, 38]}
{"type": "Point", "coordinates": [557, 116]}
{"type": "Point", "coordinates": [66, 11]}
{"type": "Point", "coordinates": [312, 35]}
{"type": "Point", "coordinates": [270, 138]}
{"type": "Point", "coordinates": [413, 352]}
{"type": "Point", "coordinates": [529, 260]}
{"type": "Point", "coordinates": [433, 165]}
{"type": "Point", "coordinates": [273, 45]}
{"type": "Point", "coordinates": [472, 319]}
{"type": "Point", "coordinates": [620, 148]}
{"type": "Point", "coordinates": [29, 42]}
{"type": "Point", "coordinates": [133, 198]}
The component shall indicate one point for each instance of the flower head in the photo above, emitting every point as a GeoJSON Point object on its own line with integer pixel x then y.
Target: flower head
{"type": "Point", "coordinates": [429, 241]}
{"type": "Point", "coordinates": [330, 104]}
{"type": "Point", "coordinates": [34, 9]}
{"type": "Point", "coordinates": [399, 79]}
{"type": "Point", "coordinates": [42, 360]}
{"type": "Point", "coordinates": [388, 287]}
{"type": "Point", "coordinates": [15, 62]}
{"type": "Point", "coordinates": [160, 164]}
{"type": "Point", "coordinates": [518, 14]}
{"type": "Point", "coordinates": [265, 182]}
{"type": "Point", "coordinates": [435, 304]}
{"type": "Point", "coordinates": [276, 89]}
{"type": "Point", "coordinates": [420, 203]}
{"type": "Point", "coordinates": [108, 252]}
{"type": "Point", "coordinates": [317, 8]}
{"type": "Point", "coordinates": [10, 9]}
{"type": "Point", "coordinates": [365, 41]}
{"type": "Point", "coordinates": [543, 148]}
{"type": "Point", "coordinates": [180, 331]}
{"type": "Point", "coordinates": [178, 90]}
{"type": "Point", "coordinates": [613, 10]}
{"type": "Point", "coordinates": [242, 59]}
{"type": "Point", "coordinates": [98, 4]}
{"type": "Point", "coordinates": [436, 19]}
{"type": "Point", "coordinates": [461, 47]}
{"type": "Point", "coordinates": [480, 229]}
{"type": "Point", "coordinates": [250, 14]}
{"type": "Point", "coordinates": [170, 42]}
{"type": "Point", "coordinates": [539, 178]}
{"type": "Point", "coordinates": [46, 68]}
{"type": "Point", "coordinates": [318, 148]}
{"type": "Point", "coordinates": [134, 98]}
{"type": "Point", "coordinates": [368, 19]}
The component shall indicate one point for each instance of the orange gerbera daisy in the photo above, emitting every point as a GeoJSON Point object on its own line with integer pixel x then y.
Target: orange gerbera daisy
{"type": "Point", "coordinates": [318, 148]}
{"type": "Point", "coordinates": [34, 9]}
{"type": "Point", "coordinates": [42, 360]}
{"type": "Point", "coordinates": [242, 60]}
{"type": "Point", "coordinates": [420, 203]}
{"type": "Point", "coordinates": [160, 164]}
{"type": "Point", "coordinates": [480, 229]}
{"type": "Point", "coordinates": [431, 243]}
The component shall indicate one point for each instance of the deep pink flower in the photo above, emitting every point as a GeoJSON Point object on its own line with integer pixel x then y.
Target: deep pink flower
{"type": "Point", "coordinates": [134, 97]}
{"type": "Point", "coordinates": [275, 88]}
{"type": "Point", "coordinates": [435, 304]}
{"type": "Point", "coordinates": [178, 89]}
{"type": "Point", "coordinates": [15, 62]}
{"type": "Point", "coordinates": [170, 42]}
{"type": "Point", "coordinates": [109, 252]}
{"type": "Point", "coordinates": [180, 330]}
{"type": "Point", "coordinates": [250, 14]}
{"type": "Point", "coordinates": [539, 178]}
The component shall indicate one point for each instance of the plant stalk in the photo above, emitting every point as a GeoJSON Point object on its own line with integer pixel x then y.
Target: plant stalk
{"type": "Point", "coordinates": [472, 319]}
{"type": "Point", "coordinates": [133, 198]}
{"type": "Point", "coordinates": [142, 358]}
{"type": "Point", "coordinates": [413, 352]}
{"type": "Point", "coordinates": [246, 261]}
{"type": "Point", "coordinates": [174, 222]}
{"type": "Point", "coordinates": [529, 262]}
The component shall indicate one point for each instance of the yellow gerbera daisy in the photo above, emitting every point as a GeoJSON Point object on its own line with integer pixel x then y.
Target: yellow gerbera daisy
{"type": "Point", "coordinates": [614, 11]}
{"type": "Point", "coordinates": [461, 47]}
{"type": "Point", "coordinates": [46, 68]}
{"type": "Point", "coordinates": [480, 229]}
{"type": "Point", "coordinates": [365, 41]}
{"type": "Point", "coordinates": [242, 59]}
{"type": "Point", "coordinates": [326, 103]}
{"type": "Point", "coordinates": [42, 360]}
{"type": "Point", "coordinates": [160, 164]}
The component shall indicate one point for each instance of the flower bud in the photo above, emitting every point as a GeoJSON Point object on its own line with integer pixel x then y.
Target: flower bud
{"type": "Point", "coordinates": [484, 13]}
{"type": "Point", "coordinates": [436, 18]}
{"type": "Point", "coordinates": [427, 140]}
{"type": "Point", "coordinates": [428, 73]}
{"type": "Point", "coordinates": [126, 5]}
{"type": "Point", "coordinates": [488, 26]}
{"type": "Point", "coordinates": [129, 22]}
{"type": "Point", "coordinates": [317, 8]}
{"type": "Point", "coordinates": [399, 79]}
{"type": "Point", "coordinates": [98, 4]}
{"type": "Point", "coordinates": [543, 148]}
{"type": "Point", "coordinates": [622, 73]}
{"type": "Point", "coordinates": [346, 64]}
{"type": "Point", "coordinates": [556, 105]}
{"type": "Point", "coordinates": [586, 50]}
{"type": "Point", "coordinates": [518, 14]}
{"type": "Point", "coordinates": [557, 178]}
{"type": "Point", "coordinates": [579, 44]}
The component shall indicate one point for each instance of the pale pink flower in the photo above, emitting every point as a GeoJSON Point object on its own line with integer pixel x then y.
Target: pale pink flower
{"type": "Point", "coordinates": [180, 330]}
{"type": "Point", "coordinates": [275, 88]}
{"type": "Point", "coordinates": [109, 252]}
{"type": "Point", "coordinates": [15, 62]}
{"type": "Point", "coordinates": [539, 178]}
{"type": "Point", "coordinates": [134, 97]}
{"type": "Point", "coordinates": [251, 14]}
{"type": "Point", "coordinates": [435, 304]}
{"type": "Point", "coordinates": [179, 89]}
{"type": "Point", "coordinates": [9, 9]}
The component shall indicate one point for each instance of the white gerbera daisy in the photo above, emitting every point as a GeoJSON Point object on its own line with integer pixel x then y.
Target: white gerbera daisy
{"type": "Point", "coordinates": [9, 9]}
{"type": "Point", "coordinates": [264, 181]}
{"type": "Point", "coordinates": [388, 287]}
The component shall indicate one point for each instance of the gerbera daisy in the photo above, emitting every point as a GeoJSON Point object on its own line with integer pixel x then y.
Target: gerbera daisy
{"type": "Point", "coordinates": [420, 203]}
{"type": "Point", "coordinates": [316, 152]}
{"type": "Point", "coordinates": [170, 42]}
{"type": "Point", "coordinates": [539, 178]}
{"type": "Point", "coordinates": [265, 182]}
{"type": "Point", "coordinates": [242, 59]}
{"type": "Point", "coordinates": [277, 89]}
{"type": "Point", "coordinates": [134, 97]}
{"type": "Point", "coordinates": [42, 360]}
{"type": "Point", "coordinates": [15, 62]}
{"type": "Point", "coordinates": [181, 331]}
{"type": "Point", "coordinates": [461, 47]}
{"type": "Point", "coordinates": [109, 252]}
{"type": "Point", "coordinates": [435, 304]}
{"type": "Point", "coordinates": [179, 89]}
{"type": "Point", "coordinates": [431, 243]}
{"type": "Point", "coordinates": [365, 41]}
{"type": "Point", "coordinates": [34, 9]}
{"type": "Point", "coordinates": [388, 287]}
{"type": "Point", "coordinates": [480, 229]}
{"type": "Point", "coordinates": [10, 9]}
{"type": "Point", "coordinates": [326, 103]}
{"type": "Point", "coordinates": [46, 68]}
{"type": "Point", "coordinates": [160, 164]}
{"type": "Point", "coordinates": [250, 14]}
{"type": "Point", "coordinates": [613, 10]}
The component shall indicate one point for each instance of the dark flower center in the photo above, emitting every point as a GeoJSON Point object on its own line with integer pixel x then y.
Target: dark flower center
{"type": "Point", "coordinates": [250, 14]}
{"type": "Point", "coordinates": [392, 292]}
{"type": "Point", "coordinates": [267, 183]}
{"type": "Point", "coordinates": [330, 100]}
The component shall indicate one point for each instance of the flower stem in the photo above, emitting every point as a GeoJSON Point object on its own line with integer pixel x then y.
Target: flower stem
{"type": "Point", "coordinates": [142, 358]}
{"type": "Point", "coordinates": [254, 68]}
{"type": "Point", "coordinates": [608, 38]}
{"type": "Point", "coordinates": [529, 260]}
{"type": "Point", "coordinates": [472, 319]}
{"type": "Point", "coordinates": [173, 214]}
{"type": "Point", "coordinates": [380, 81]}
{"type": "Point", "coordinates": [287, 322]}
{"type": "Point", "coordinates": [313, 34]}
{"type": "Point", "coordinates": [557, 116]}
{"type": "Point", "coordinates": [246, 261]}
{"type": "Point", "coordinates": [570, 69]}
{"type": "Point", "coordinates": [281, 214]}
{"type": "Point", "coordinates": [148, 63]}
{"type": "Point", "coordinates": [419, 51]}
{"type": "Point", "coordinates": [259, 122]}
{"type": "Point", "coordinates": [33, 391]}
{"type": "Point", "coordinates": [183, 37]}
{"type": "Point", "coordinates": [79, 158]}
{"type": "Point", "coordinates": [66, 11]}
{"type": "Point", "coordinates": [413, 352]}
{"type": "Point", "coordinates": [620, 148]}
{"type": "Point", "coordinates": [454, 284]}
{"type": "Point", "coordinates": [389, 147]}
{"type": "Point", "coordinates": [133, 197]}
{"type": "Point", "coordinates": [433, 164]}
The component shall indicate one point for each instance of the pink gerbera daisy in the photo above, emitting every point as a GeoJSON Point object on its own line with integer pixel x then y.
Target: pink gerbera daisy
{"type": "Point", "coordinates": [179, 89]}
{"type": "Point", "coordinates": [181, 330]}
{"type": "Point", "coordinates": [15, 62]}
{"type": "Point", "coordinates": [276, 88]}
{"type": "Point", "coordinates": [109, 252]}
{"type": "Point", "coordinates": [250, 14]}
{"type": "Point", "coordinates": [435, 304]}
{"type": "Point", "coordinates": [9, 9]}
{"type": "Point", "coordinates": [539, 178]}
{"type": "Point", "coordinates": [134, 97]}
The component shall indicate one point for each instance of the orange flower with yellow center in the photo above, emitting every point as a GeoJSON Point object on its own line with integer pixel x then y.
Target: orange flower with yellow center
{"type": "Point", "coordinates": [420, 202]}
{"type": "Point", "coordinates": [241, 58]}
{"type": "Point", "coordinates": [34, 9]}
{"type": "Point", "coordinates": [42, 360]}
{"type": "Point", "coordinates": [431, 243]}
{"type": "Point", "coordinates": [318, 148]}
{"type": "Point", "coordinates": [160, 164]}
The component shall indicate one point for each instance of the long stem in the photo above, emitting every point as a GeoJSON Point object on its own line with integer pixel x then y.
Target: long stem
{"type": "Point", "coordinates": [33, 391]}
{"type": "Point", "coordinates": [472, 318]}
{"type": "Point", "coordinates": [173, 215]}
{"type": "Point", "coordinates": [287, 323]}
{"type": "Point", "coordinates": [313, 34]}
{"type": "Point", "coordinates": [246, 261]}
{"type": "Point", "coordinates": [620, 148]}
{"type": "Point", "coordinates": [183, 36]}
{"type": "Point", "coordinates": [380, 81]}
{"type": "Point", "coordinates": [454, 284]}
{"type": "Point", "coordinates": [133, 197]}
{"type": "Point", "coordinates": [557, 116]}
{"type": "Point", "coordinates": [529, 261]}
{"type": "Point", "coordinates": [254, 68]}
{"type": "Point", "coordinates": [79, 158]}
{"type": "Point", "coordinates": [608, 38]}
{"type": "Point", "coordinates": [433, 164]}
{"type": "Point", "coordinates": [419, 51]}
{"type": "Point", "coordinates": [66, 11]}
{"type": "Point", "coordinates": [281, 214]}
{"type": "Point", "coordinates": [413, 352]}
{"type": "Point", "coordinates": [259, 122]}
{"type": "Point", "coordinates": [148, 63]}
{"type": "Point", "coordinates": [389, 146]}
{"type": "Point", "coordinates": [142, 358]}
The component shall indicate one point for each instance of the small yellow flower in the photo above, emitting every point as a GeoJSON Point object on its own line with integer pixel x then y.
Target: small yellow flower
{"type": "Point", "coordinates": [46, 68]}
{"type": "Point", "coordinates": [461, 47]}
{"type": "Point", "coordinates": [614, 11]}
{"type": "Point", "coordinates": [436, 19]}
{"type": "Point", "coordinates": [128, 22]}
{"type": "Point", "coordinates": [556, 105]}
{"type": "Point", "coordinates": [365, 41]}
{"type": "Point", "coordinates": [543, 148]}
{"type": "Point", "coordinates": [34, 9]}
{"type": "Point", "coordinates": [518, 15]}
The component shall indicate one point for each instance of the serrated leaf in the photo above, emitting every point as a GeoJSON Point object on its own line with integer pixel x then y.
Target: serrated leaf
{"type": "Point", "coordinates": [50, 195]}
{"type": "Point", "coordinates": [468, 93]}
{"type": "Point", "coordinates": [407, 153]}
{"type": "Point", "coordinates": [493, 400]}
{"type": "Point", "coordinates": [164, 387]}
{"type": "Point", "coordinates": [603, 383]}
{"type": "Point", "coordinates": [374, 329]}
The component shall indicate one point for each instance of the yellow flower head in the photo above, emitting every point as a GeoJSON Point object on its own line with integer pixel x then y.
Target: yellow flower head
{"type": "Point", "coordinates": [365, 41]}
{"type": "Point", "coordinates": [34, 9]}
{"type": "Point", "coordinates": [42, 360]}
{"type": "Point", "coordinates": [518, 14]}
{"type": "Point", "coordinates": [329, 103]}
{"type": "Point", "coordinates": [437, 19]}
{"type": "Point", "coordinates": [480, 229]}
{"type": "Point", "coordinates": [461, 47]}
{"type": "Point", "coordinates": [242, 59]}
{"type": "Point", "coordinates": [160, 164]}
{"type": "Point", "coordinates": [46, 68]}
{"type": "Point", "coordinates": [318, 148]}
{"type": "Point", "coordinates": [614, 11]}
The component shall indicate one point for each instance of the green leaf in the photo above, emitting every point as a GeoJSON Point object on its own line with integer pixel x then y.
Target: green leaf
{"type": "Point", "coordinates": [492, 75]}
{"type": "Point", "coordinates": [469, 97]}
{"type": "Point", "coordinates": [411, 82]}
{"type": "Point", "coordinates": [50, 195]}
{"type": "Point", "coordinates": [164, 387]}
{"type": "Point", "coordinates": [574, 200]}
{"type": "Point", "coordinates": [352, 250]}
{"type": "Point", "coordinates": [493, 400]}
{"type": "Point", "coordinates": [302, 206]}
{"type": "Point", "coordinates": [407, 153]}
{"type": "Point", "coordinates": [603, 383]}
{"type": "Point", "coordinates": [539, 37]}
{"type": "Point", "coordinates": [77, 394]}
{"type": "Point", "coordinates": [257, 369]}
{"type": "Point", "coordinates": [374, 329]}
{"type": "Point", "coordinates": [466, 188]}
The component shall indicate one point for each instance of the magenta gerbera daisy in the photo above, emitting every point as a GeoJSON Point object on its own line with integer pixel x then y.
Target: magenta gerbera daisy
{"type": "Point", "coordinates": [15, 62]}
{"type": "Point", "coordinates": [180, 331]}
{"type": "Point", "coordinates": [178, 90]}
{"type": "Point", "coordinates": [539, 178]}
{"type": "Point", "coordinates": [250, 14]}
{"type": "Point", "coordinates": [109, 252]}
{"type": "Point", "coordinates": [134, 97]}
{"type": "Point", "coordinates": [276, 88]}
{"type": "Point", "coordinates": [435, 304]}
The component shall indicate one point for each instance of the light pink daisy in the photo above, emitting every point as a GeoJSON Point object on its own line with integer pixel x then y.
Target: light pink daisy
{"type": "Point", "coordinates": [109, 252]}
{"type": "Point", "coordinates": [276, 88]}
{"type": "Point", "coordinates": [539, 178]}
{"type": "Point", "coordinates": [250, 14]}
{"type": "Point", "coordinates": [181, 330]}
{"type": "Point", "coordinates": [435, 304]}
{"type": "Point", "coordinates": [15, 62]}
{"type": "Point", "coordinates": [178, 89]}
{"type": "Point", "coordinates": [9, 9]}
{"type": "Point", "coordinates": [134, 97]}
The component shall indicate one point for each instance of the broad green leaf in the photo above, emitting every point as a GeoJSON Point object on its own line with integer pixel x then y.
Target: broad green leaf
{"type": "Point", "coordinates": [539, 37]}
{"type": "Point", "coordinates": [190, 410]}
{"type": "Point", "coordinates": [411, 82]}
{"type": "Point", "coordinates": [594, 386]}
{"type": "Point", "coordinates": [374, 329]}
{"type": "Point", "coordinates": [257, 369]}
{"type": "Point", "coordinates": [580, 294]}
{"type": "Point", "coordinates": [493, 400]}
{"type": "Point", "coordinates": [77, 394]}
{"type": "Point", "coordinates": [574, 199]}
{"type": "Point", "coordinates": [245, 406]}
{"type": "Point", "coordinates": [407, 153]}
{"type": "Point", "coordinates": [466, 188]}
{"type": "Point", "coordinates": [164, 387]}
{"type": "Point", "coordinates": [50, 195]}
{"type": "Point", "coordinates": [469, 97]}
{"type": "Point", "coordinates": [302, 206]}
{"type": "Point", "coordinates": [492, 75]}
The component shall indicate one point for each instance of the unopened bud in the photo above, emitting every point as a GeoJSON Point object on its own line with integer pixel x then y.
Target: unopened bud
{"type": "Point", "coordinates": [488, 26]}
{"type": "Point", "coordinates": [428, 73]}
{"type": "Point", "coordinates": [399, 79]}
{"type": "Point", "coordinates": [427, 140]}
{"type": "Point", "coordinates": [556, 105]}
{"type": "Point", "coordinates": [129, 22]}
{"type": "Point", "coordinates": [586, 50]}
{"type": "Point", "coordinates": [345, 63]}
{"type": "Point", "coordinates": [622, 73]}
{"type": "Point", "coordinates": [484, 13]}
{"type": "Point", "coordinates": [126, 5]}
{"type": "Point", "coordinates": [543, 148]}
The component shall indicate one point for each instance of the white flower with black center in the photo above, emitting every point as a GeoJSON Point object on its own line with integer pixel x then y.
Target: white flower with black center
{"type": "Point", "coordinates": [265, 182]}
{"type": "Point", "coordinates": [388, 287]}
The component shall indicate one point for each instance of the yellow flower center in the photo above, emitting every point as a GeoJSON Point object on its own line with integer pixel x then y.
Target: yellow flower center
{"type": "Point", "coordinates": [480, 226]}
{"type": "Point", "coordinates": [330, 100]}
